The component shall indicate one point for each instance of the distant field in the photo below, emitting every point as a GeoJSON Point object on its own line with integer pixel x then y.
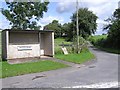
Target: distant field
{"type": "Point", "coordinates": [97, 37]}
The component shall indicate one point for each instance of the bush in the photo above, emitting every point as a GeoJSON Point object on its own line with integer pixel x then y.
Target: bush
{"type": "Point", "coordinates": [58, 50]}
{"type": "Point", "coordinates": [82, 45]}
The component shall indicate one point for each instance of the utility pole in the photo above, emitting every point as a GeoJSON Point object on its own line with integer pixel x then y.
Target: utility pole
{"type": "Point", "coordinates": [77, 26]}
{"type": "Point", "coordinates": [119, 4]}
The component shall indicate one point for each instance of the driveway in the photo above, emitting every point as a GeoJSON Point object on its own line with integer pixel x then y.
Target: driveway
{"type": "Point", "coordinates": [101, 73]}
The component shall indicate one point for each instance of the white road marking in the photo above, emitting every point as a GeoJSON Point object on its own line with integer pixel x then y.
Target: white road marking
{"type": "Point", "coordinates": [98, 85]}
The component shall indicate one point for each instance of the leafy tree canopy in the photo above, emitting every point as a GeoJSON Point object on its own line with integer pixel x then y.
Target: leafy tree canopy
{"type": "Point", "coordinates": [68, 30]}
{"type": "Point", "coordinates": [23, 15]}
{"type": "Point", "coordinates": [56, 26]}
{"type": "Point", "coordinates": [87, 22]}
{"type": "Point", "coordinates": [114, 30]}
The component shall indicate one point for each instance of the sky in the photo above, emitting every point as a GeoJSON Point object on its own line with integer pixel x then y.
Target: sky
{"type": "Point", "coordinates": [62, 10]}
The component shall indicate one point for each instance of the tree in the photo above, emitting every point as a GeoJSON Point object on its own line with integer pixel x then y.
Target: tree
{"type": "Point", "coordinates": [113, 30]}
{"type": "Point", "coordinates": [24, 15]}
{"type": "Point", "coordinates": [56, 26]}
{"type": "Point", "coordinates": [87, 22]}
{"type": "Point", "coordinates": [68, 30]}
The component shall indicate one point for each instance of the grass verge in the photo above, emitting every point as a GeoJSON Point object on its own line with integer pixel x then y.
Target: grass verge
{"type": "Point", "coordinates": [97, 41]}
{"type": "Point", "coordinates": [9, 70]}
{"type": "Point", "coordinates": [110, 50]}
{"type": "Point", "coordinates": [77, 58]}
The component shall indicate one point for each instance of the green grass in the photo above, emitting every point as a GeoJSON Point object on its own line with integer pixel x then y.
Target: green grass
{"type": "Point", "coordinates": [77, 58]}
{"type": "Point", "coordinates": [71, 57]}
{"type": "Point", "coordinates": [9, 70]}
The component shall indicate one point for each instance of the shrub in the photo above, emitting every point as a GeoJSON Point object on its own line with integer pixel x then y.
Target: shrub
{"type": "Point", "coordinates": [82, 45]}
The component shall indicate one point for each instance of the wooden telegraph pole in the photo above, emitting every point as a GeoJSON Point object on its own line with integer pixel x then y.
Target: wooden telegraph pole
{"type": "Point", "coordinates": [77, 27]}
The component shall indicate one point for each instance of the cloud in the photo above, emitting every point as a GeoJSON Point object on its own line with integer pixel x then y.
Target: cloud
{"type": "Point", "coordinates": [102, 8]}
{"type": "Point", "coordinates": [100, 29]}
{"type": "Point", "coordinates": [100, 24]}
{"type": "Point", "coordinates": [65, 6]}
{"type": "Point", "coordinates": [97, 6]}
{"type": "Point", "coordinates": [101, 21]}
{"type": "Point", "coordinates": [48, 19]}
{"type": "Point", "coordinates": [70, 5]}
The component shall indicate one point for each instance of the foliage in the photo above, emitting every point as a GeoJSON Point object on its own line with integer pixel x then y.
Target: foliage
{"type": "Point", "coordinates": [96, 38]}
{"type": "Point", "coordinates": [100, 41]}
{"type": "Point", "coordinates": [9, 70]}
{"type": "Point", "coordinates": [87, 25]}
{"type": "Point", "coordinates": [24, 15]}
{"type": "Point", "coordinates": [87, 22]}
{"type": "Point", "coordinates": [113, 30]}
{"type": "Point", "coordinates": [67, 29]}
{"type": "Point", "coordinates": [56, 26]}
{"type": "Point", "coordinates": [82, 45]}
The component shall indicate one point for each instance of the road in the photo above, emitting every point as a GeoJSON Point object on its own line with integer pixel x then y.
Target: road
{"type": "Point", "coordinates": [103, 73]}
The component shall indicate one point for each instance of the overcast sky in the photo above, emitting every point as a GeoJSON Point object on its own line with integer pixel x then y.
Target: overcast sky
{"type": "Point", "coordinates": [62, 10]}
